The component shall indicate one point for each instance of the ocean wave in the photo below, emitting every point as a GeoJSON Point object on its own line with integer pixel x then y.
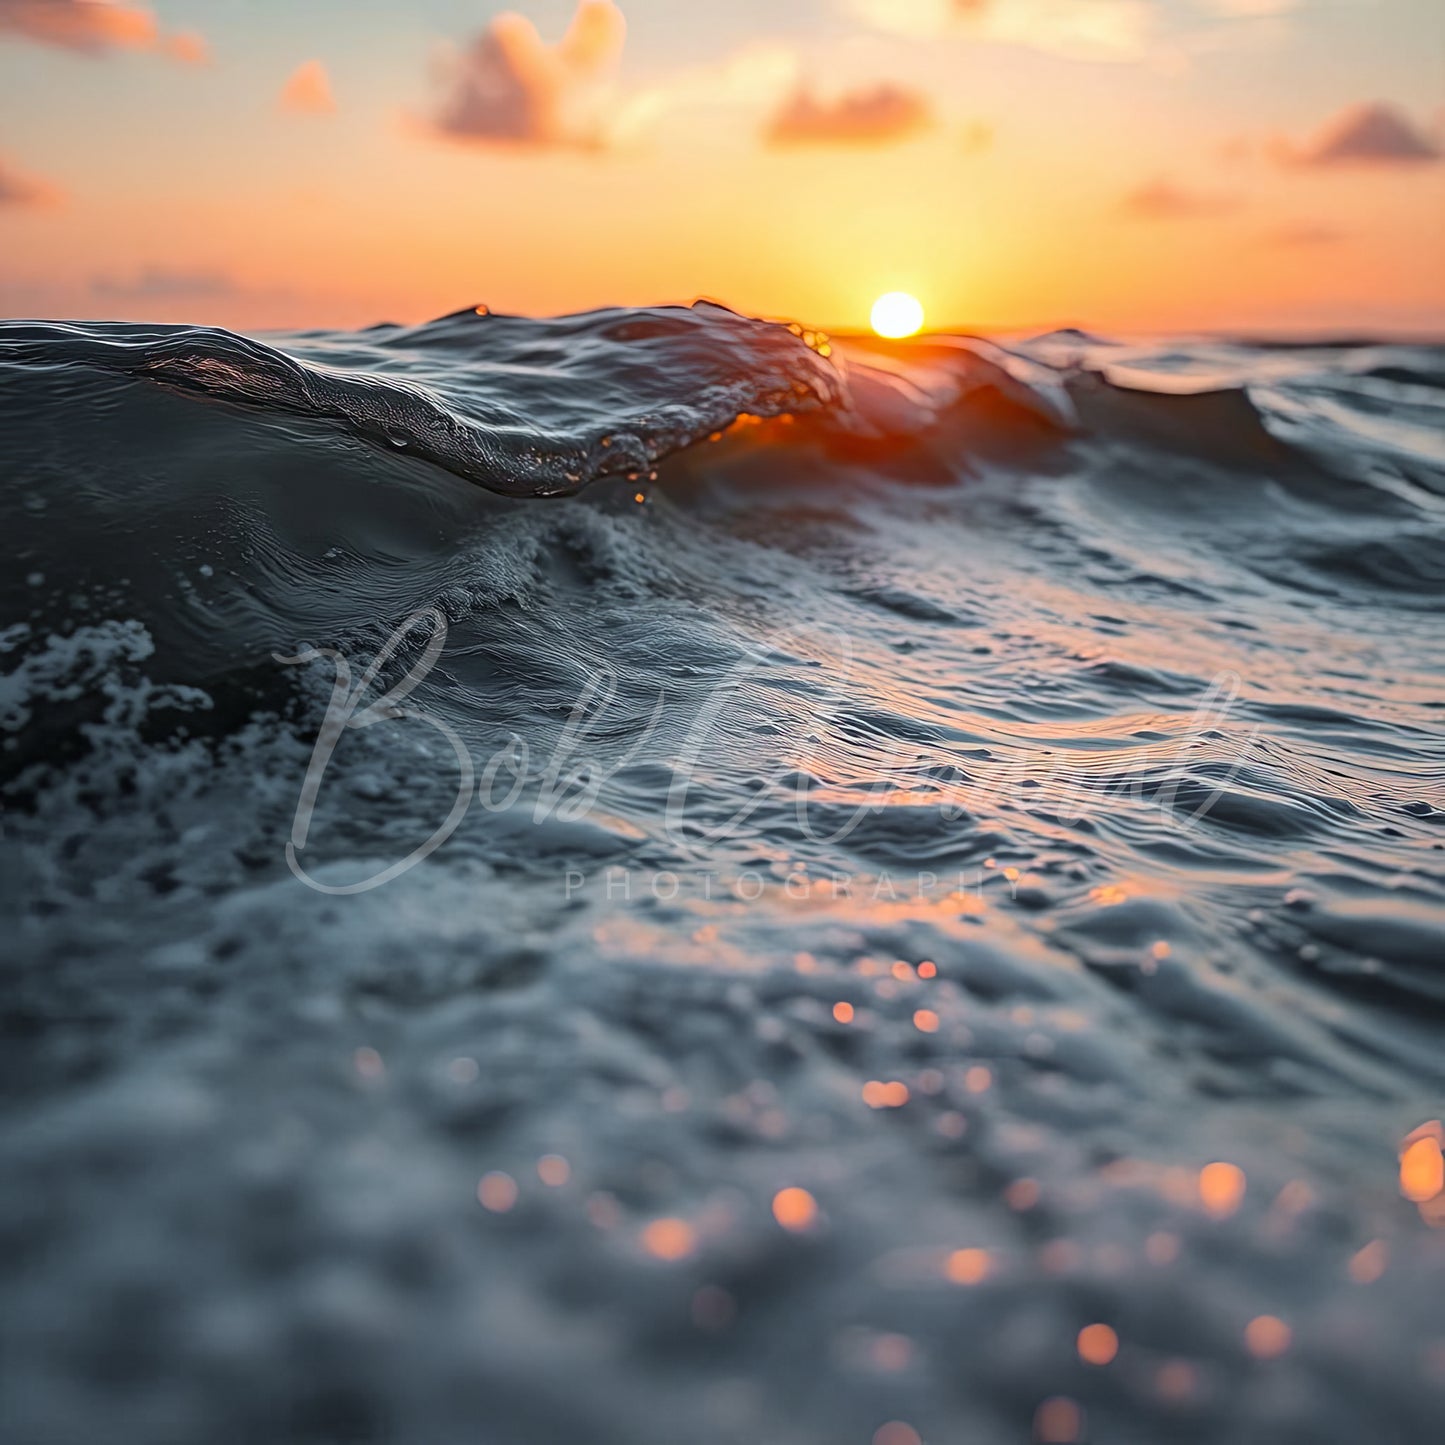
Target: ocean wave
{"type": "Point", "coordinates": [546, 408]}
{"type": "Point", "coordinates": [989, 784]}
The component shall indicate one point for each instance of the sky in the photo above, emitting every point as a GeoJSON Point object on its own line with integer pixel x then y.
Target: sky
{"type": "Point", "coordinates": [1125, 165]}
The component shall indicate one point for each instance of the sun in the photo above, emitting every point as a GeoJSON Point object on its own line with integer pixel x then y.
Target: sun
{"type": "Point", "coordinates": [897, 315]}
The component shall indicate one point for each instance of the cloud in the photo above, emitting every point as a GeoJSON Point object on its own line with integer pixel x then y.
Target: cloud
{"type": "Point", "coordinates": [879, 115]}
{"type": "Point", "coordinates": [756, 79]}
{"type": "Point", "coordinates": [1366, 135]}
{"type": "Point", "coordinates": [1251, 9]}
{"type": "Point", "coordinates": [1107, 30]}
{"type": "Point", "coordinates": [157, 283]}
{"type": "Point", "coordinates": [1162, 200]}
{"type": "Point", "coordinates": [1302, 234]}
{"type": "Point", "coordinates": [96, 27]}
{"type": "Point", "coordinates": [91, 26]}
{"type": "Point", "coordinates": [511, 87]}
{"type": "Point", "coordinates": [308, 91]}
{"type": "Point", "coordinates": [189, 47]}
{"type": "Point", "coordinates": [160, 292]}
{"type": "Point", "coordinates": [22, 190]}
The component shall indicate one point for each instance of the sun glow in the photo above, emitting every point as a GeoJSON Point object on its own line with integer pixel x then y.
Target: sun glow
{"type": "Point", "coordinates": [897, 315]}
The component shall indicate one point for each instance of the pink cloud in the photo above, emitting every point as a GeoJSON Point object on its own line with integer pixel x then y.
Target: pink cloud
{"type": "Point", "coordinates": [511, 87]}
{"type": "Point", "coordinates": [96, 27]}
{"type": "Point", "coordinates": [19, 189]}
{"type": "Point", "coordinates": [1366, 135]}
{"type": "Point", "coordinates": [162, 283]}
{"type": "Point", "coordinates": [882, 114]}
{"type": "Point", "coordinates": [1162, 200]}
{"type": "Point", "coordinates": [1096, 30]}
{"type": "Point", "coordinates": [189, 47]}
{"type": "Point", "coordinates": [308, 91]}
{"type": "Point", "coordinates": [91, 26]}
{"type": "Point", "coordinates": [1299, 234]}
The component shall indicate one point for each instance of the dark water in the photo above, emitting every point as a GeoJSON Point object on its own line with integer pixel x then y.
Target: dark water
{"type": "Point", "coordinates": [1069, 710]}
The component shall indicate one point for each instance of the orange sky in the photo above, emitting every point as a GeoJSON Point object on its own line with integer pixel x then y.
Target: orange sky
{"type": "Point", "coordinates": [1124, 164]}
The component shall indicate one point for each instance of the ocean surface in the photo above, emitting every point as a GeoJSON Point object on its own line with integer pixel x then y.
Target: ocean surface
{"type": "Point", "coordinates": [654, 877]}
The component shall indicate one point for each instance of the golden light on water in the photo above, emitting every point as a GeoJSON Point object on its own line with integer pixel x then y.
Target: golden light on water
{"type": "Point", "coordinates": [795, 1209]}
{"type": "Point", "coordinates": [878, 1094]}
{"type": "Point", "coordinates": [553, 1170]}
{"type": "Point", "coordinates": [1058, 1421]}
{"type": "Point", "coordinates": [669, 1239]}
{"type": "Point", "coordinates": [1098, 1344]}
{"type": "Point", "coordinates": [1221, 1189]}
{"type": "Point", "coordinates": [497, 1192]}
{"type": "Point", "coordinates": [969, 1266]}
{"type": "Point", "coordinates": [1267, 1337]}
{"type": "Point", "coordinates": [896, 1432]}
{"type": "Point", "coordinates": [896, 315]}
{"type": "Point", "coordinates": [1422, 1164]}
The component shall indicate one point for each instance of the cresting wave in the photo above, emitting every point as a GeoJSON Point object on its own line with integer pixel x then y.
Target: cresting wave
{"type": "Point", "coordinates": [545, 408]}
{"type": "Point", "coordinates": [523, 408]}
{"type": "Point", "coordinates": [953, 861]}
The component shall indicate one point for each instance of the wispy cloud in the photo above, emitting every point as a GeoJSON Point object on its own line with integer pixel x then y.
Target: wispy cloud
{"type": "Point", "coordinates": [1106, 30]}
{"type": "Point", "coordinates": [879, 115]}
{"type": "Point", "coordinates": [97, 27]}
{"type": "Point", "coordinates": [19, 189]}
{"type": "Point", "coordinates": [1251, 9]}
{"type": "Point", "coordinates": [1371, 134]}
{"type": "Point", "coordinates": [511, 87]}
{"type": "Point", "coordinates": [308, 91]}
{"type": "Point", "coordinates": [1305, 235]}
{"type": "Point", "coordinates": [187, 46]}
{"type": "Point", "coordinates": [161, 283]}
{"type": "Point", "coordinates": [1163, 200]}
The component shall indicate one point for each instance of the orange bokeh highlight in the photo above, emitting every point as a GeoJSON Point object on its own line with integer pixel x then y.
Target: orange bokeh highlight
{"type": "Point", "coordinates": [843, 1012]}
{"type": "Point", "coordinates": [1267, 1337]}
{"type": "Point", "coordinates": [1058, 1422]}
{"type": "Point", "coordinates": [880, 1095]}
{"type": "Point", "coordinates": [1098, 1344]}
{"type": "Point", "coordinates": [1422, 1164]}
{"type": "Point", "coordinates": [1370, 1263]}
{"type": "Point", "coordinates": [795, 1209]}
{"type": "Point", "coordinates": [926, 1021]}
{"type": "Point", "coordinates": [1221, 1189]}
{"type": "Point", "coordinates": [553, 1170]}
{"type": "Point", "coordinates": [669, 1239]}
{"type": "Point", "coordinates": [1022, 1195]}
{"type": "Point", "coordinates": [969, 1266]}
{"type": "Point", "coordinates": [497, 1192]}
{"type": "Point", "coordinates": [896, 1432]}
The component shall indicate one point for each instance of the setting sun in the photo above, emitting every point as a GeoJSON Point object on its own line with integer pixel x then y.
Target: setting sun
{"type": "Point", "coordinates": [897, 315]}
